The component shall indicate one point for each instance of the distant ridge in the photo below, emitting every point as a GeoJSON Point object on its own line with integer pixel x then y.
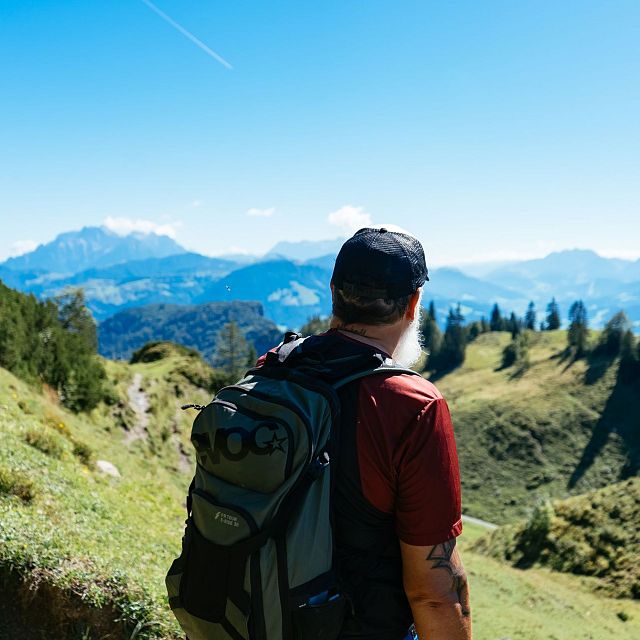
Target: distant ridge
{"type": "Point", "coordinates": [289, 292]}
{"type": "Point", "coordinates": [292, 280]}
{"type": "Point", "coordinates": [572, 265]}
{"type": "Point", "coordinates": [305, 249]}
{"type": "Point", "coordinates": [92, 247]}
{"type": "Point", "coordinates": [194, 326]}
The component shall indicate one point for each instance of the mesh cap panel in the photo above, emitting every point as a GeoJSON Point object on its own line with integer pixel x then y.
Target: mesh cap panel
{"type": "Point", "coordinates": [376, 263]}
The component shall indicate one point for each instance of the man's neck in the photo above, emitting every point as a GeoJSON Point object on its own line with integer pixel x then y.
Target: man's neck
{"type": "Point", "coordinates": [381, 337]}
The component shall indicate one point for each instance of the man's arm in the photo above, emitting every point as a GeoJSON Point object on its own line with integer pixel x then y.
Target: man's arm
{"type": "Point", "coordinates": [438, 592]}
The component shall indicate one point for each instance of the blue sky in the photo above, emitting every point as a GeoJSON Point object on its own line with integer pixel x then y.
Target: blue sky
{"type": "Point", "coordinates": [490, 129]}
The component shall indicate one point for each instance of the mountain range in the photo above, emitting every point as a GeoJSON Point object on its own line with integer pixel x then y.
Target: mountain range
{"type": "Point", "coordinates": [92, 247]}
{"type": "Point", "coordinates": [292, 280]}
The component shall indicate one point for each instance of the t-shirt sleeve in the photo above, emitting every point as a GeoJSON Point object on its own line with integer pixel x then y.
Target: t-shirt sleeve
{"type": "Point", "coordinates": [428, 505]}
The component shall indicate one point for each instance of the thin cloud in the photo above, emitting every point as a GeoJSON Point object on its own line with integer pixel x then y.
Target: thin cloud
{"type": "Point", "coordinates": [350, 218]}
{"type": "Point", "coordinates": [124, 226]}
{"type": "Point", "coordinates": [21, 247]}
{"type": "Point", "coordinates": [261, 213]}
{"type": "Point", "coordinates": [187, 34]}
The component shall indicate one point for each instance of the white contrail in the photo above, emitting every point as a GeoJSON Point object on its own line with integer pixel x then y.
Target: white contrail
{"type": "Point", "coordinates": [187, 34]}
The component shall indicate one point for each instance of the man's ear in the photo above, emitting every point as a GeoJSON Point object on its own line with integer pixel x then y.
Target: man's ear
{"type": "Point", "coordinates": [412, 309]}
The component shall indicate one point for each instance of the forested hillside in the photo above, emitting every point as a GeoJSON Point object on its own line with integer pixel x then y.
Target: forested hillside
{"type": "Point", "coordinates": [52, 342]}
{"type": "Point", "coordinates": [195, 326]}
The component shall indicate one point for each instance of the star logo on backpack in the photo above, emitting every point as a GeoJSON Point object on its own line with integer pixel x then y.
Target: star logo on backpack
{"type": "Point", "coordinates": [275, 444]}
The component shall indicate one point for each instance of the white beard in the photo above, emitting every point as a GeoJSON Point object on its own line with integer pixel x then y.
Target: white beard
{"type": "Point", "coordinates": [409, 349]}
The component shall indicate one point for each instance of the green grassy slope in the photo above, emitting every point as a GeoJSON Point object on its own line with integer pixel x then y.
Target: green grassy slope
{"type": "Point", "coordinates": [596, 534]}
{"type": "Point", "coordinates": [94, 549]}
{"type": "Point", "coordinates": [561, 428]}
{"type": "Point", "coordinates": [100, 540]}
{"type": "Point", "coordinates": [538, 604]}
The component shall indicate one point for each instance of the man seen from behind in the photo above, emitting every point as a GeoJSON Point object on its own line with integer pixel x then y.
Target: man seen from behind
{"type": "Point", "coordinates": [397, 508]}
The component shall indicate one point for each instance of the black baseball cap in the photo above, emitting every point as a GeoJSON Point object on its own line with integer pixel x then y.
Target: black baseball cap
{"type": "Point", "coordinates": [377, 263]}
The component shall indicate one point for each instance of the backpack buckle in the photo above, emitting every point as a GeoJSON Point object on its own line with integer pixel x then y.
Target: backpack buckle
{"type": "Point", "coordinates": [320, 463]}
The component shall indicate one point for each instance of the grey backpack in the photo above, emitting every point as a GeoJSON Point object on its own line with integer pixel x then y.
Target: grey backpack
{"type": "Point", "coordinates": [257, 552]}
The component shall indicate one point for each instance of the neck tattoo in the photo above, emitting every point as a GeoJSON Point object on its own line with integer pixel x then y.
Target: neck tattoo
{"type": "Point", "coordinates": [344, 327]}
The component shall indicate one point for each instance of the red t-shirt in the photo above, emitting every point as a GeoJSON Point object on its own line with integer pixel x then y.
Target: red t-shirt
{"type": "Point", "coordinates": [407, 457]}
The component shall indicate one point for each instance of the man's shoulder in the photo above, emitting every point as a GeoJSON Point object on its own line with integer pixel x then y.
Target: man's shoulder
{"type": "Point", "coordinates": [404, 388]}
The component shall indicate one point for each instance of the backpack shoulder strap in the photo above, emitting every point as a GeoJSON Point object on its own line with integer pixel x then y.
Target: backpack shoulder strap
{"type": "Point", "coordinates": [289, 344]}
{"type": "Point", "coordinates": [291, 353]}
{"type": "Point", "coordinates": [386, 367]}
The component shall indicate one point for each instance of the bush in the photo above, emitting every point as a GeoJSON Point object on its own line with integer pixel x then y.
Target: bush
{"type": "Point", "coordinates": [84, 453]}
{"type": "Point", "coordinates": [14, 482]}
{"type": "Point", "coordinates": [159, 350]}
{"type": "Point", "coordinates": [110, 395]}
{"type": "Point", "coordinates": [45, 440]}
{"type": "Point", "coordinates": [509, 354]}
{"type": "Point", "coordinates": [517, 352]}
{"type": "Point", "coordinates": [531, 542]}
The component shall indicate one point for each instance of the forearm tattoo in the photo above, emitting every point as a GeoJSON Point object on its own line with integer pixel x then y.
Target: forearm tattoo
{"type": "Point", "coordinates": [440, 556]}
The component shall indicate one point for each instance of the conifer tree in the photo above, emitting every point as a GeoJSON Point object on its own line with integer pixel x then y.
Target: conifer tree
{"type": "Point", "coordinates": [553, 316]}
{"type": "Point", "coordinates": [514, 325]}
{"type": "Point", "coordinates": [232, 350]}
{"type": "Point", "coordinates": [578, 328]}
{"type": "Point", "coordinates": [431, 335]}
{"type": "Point", "coordinates": [610, 342]}
{"type": "Point", "coordinates": [431, 313]}
{"type": "Point", "coordinates": [474, 329]}
{"type": "Point", "coordinates": [252, 356]}
{"type": "Point", "coordinates": [629, 362]}
{"type": "Point", "coordinates": [496, 323]}
{"type": "Point", "coordinates": [454, 343]}
{"type": "Point", "coordinates": [76, 318]}
{"type": "Point", "coordinates": [314, 325]}
{"type": "Point", "coordinates": [530, 317]}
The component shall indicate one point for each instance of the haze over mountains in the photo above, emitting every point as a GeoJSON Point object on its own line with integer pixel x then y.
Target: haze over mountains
{"type": "Point", "coordinates": [291, 281]}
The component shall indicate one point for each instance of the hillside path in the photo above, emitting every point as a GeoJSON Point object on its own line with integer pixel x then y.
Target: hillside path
{"type": "Point", "coordinates": [478, 521]}
{"type": "Point", "coordinates": [139, 402]}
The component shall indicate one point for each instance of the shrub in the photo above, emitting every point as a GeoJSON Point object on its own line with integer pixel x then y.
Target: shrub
{"type": "Point", "coordinates": [84, 453]}
{"type": "Point", "coordinates": [45, 440]}
{"type": "Point", "coordinates": [16, 483]}
{"type": "Point", "coordinates": [532, 538]}
{"type": "Point", "coordinates": [161, 349]}
{"type": "Point", "coordinates": [517, 352]}
{"type": "Point", "coordinates": [509, 354]}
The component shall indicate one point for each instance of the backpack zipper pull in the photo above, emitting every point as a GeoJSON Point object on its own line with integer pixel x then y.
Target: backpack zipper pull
{"type": "Point", "coordinates": [199, 407]}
